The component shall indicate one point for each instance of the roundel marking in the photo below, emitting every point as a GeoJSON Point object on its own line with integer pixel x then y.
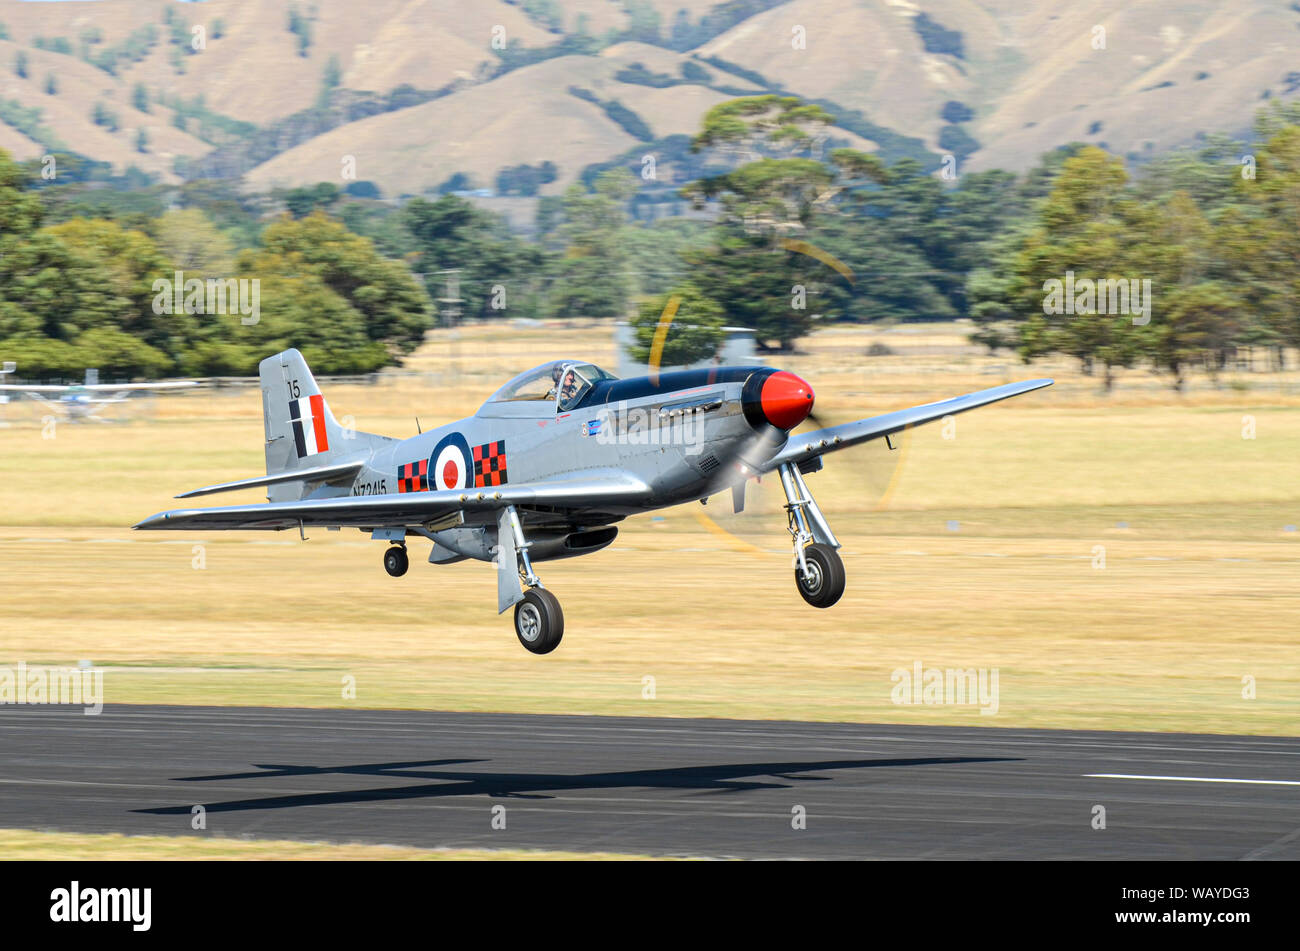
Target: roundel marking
{"type": "Point", "coordinates": [450, 466]}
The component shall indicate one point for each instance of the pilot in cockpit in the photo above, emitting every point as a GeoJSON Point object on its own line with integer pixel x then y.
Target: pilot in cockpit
{"type": "Point", "coordinates": [568, 389]}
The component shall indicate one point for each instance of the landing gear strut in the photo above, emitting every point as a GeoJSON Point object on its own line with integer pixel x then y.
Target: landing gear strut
{"type": "Point", "coordinates": [395, 560]}
{"type": "Point", "coordinates": [539, 622]}
{"type": "Point", "coordinates": [818, 569]}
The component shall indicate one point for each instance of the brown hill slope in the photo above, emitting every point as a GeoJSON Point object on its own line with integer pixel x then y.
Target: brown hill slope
{"type": "Point", "coordinates": [66, 115]}
{"type": "Point", "coordinates": [1168, 72]}
{"type": "Point", "coordinates": [1030, 71]}
{"type": "Point", "coordinates": [1171, 69]}
{"type": "Point", "coordinates": [253, 70]}
{"type": "Point", "coordinates": [526, 116]}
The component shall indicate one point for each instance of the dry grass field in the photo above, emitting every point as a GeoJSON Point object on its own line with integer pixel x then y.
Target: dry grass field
{"type": "Point", "coordinates": [24, 845]}
{"type": "Point", "coordinates": [984, 550]}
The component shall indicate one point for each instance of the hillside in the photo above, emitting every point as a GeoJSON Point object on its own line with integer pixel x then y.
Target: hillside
{"type": "Point", "coordinates": [1026, 76]}
{"type": "Point", "coordinates": [66, 115]}
{"type": "Point", "coordinates": [514, 119]}
{"type": "Point", "coordinates": [524, 117]}
{"type": "Point", "coordinates": [1169, 70]}
{"type": "Point", "coordinates": [1165, 75]}
{"type": "Point", "coordinates": [253, 69]}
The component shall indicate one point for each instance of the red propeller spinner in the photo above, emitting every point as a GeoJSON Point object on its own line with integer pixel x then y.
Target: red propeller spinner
{"type": "Point", "coordinates": [786, 400]}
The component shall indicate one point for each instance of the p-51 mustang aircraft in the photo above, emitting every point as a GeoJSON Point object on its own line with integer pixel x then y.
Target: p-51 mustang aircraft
{"type": "Point", "coordinates": [546, 467]}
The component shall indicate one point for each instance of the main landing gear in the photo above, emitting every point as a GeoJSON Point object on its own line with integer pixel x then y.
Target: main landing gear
{"type": "Point", "coordinates": [818, 569]}
{"type": "Point", "coordinates": [539, 622]}
{"type": "Point", "coordinates": [395, 560]}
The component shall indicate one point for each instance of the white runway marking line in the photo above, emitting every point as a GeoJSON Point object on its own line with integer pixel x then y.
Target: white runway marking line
{"type": "Point", "coordinates": [1197, 779]}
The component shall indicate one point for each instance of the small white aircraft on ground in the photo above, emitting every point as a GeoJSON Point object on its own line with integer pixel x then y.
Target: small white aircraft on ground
{"type": "Point", "coordinates": [83, 401]}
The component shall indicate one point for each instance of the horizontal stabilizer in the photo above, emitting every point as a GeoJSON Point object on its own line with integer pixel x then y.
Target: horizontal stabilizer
{"type": "Point", "coordinates": [334, 473]}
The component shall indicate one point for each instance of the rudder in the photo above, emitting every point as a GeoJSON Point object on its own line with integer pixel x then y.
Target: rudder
{"type": "Point", "coordinates": [301, 432]}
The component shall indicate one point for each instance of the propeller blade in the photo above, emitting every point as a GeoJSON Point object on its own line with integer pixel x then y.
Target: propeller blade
{"type": "Point", "coordinates": [765, 442]}
{"type": "Point", "coordinates": [878, 464]}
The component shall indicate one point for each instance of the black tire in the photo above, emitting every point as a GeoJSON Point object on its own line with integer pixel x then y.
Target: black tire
{"type": "Point", "coordinates": [539, 622]}
{"type": "Point", "coordinates": [395, 561]}
{"type": "Point", "coordinates": [828, 578]}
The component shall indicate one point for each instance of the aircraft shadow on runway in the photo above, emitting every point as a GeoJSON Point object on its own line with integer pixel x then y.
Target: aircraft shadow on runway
{"type": "Point", "coordinates": [704, 780]}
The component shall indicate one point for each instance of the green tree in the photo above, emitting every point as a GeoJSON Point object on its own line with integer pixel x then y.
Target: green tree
{"type": "Point", "coordinates": [80, 292]}
{"type": "Point", "coordinates": [751, 122]}
{"type": "Point", "coordinates": [656, 252]}
{"type": "Point", "coordinates": [493, 272]}
{"type": "Point", "coordinates": [297, 310]}
{"type": "Point", "coordinates": [776, 204]}
{"type": "Point", "coordinates": [1091, 225]}
{"type": "Point", "coordinates": [102, 116]}
{"type": "Point", "coordinates": [395, 310]}
{"type": "Point", "coordinates": [20, 209]}
{"type": "Point", "coordinates": [124, 263]}
{"type": "Point", "coordinates": [306, 199]}
{"type": "Point", "coordinates": [331, 77]}
{"type": "Point", "coordinates": [117, 353]}
{"type": "Point", "coordinates": [1200, 324]}
{"type": "Point", "coordinates": [1260, 239]}
{"type": "Point", "coordinates": [693, 333]}
{"type": "Point", "coordinates": [642, 22]}
{"type": "Point", "coordinates": [1200, 173]}
{"type": "Point", "coordinates": [590, 278]}
{"type": "Point", "coordinates": [758, 285]}
{"type": "Point", "coordinates": [192, 243]}
{"type": "Point", "coordinates": [333, 73]}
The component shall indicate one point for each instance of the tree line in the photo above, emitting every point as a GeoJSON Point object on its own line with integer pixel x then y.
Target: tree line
{"type": "Point", "coordinates": [1192, 262]}
{"type": "Point", "coordinates": [1187, 263]}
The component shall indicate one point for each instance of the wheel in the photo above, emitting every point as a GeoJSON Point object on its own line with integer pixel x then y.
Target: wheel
{"type": "Point", "coordinates": [539, 622]}
{"type": "Point", "coordinates": [395, 561]}
{"type": "Point", "coordinates": [826, 584]}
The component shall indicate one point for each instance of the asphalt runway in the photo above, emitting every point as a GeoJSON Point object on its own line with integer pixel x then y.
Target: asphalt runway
{"type": "Point", "coordinates": [650, 786]}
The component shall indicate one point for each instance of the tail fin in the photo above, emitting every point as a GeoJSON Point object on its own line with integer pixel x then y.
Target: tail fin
{"type": "Point", "coordinates": [301, 432]}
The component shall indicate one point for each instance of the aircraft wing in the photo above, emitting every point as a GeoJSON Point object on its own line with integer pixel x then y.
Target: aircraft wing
{"type": "Point", "coordinates": [131, 387]}
{"type": "Point", "coordinates": [110, 388]}
{"type": "Point", "coordinates": [592, 491]}
{"type": "Point", "coordinates": [809, 445]}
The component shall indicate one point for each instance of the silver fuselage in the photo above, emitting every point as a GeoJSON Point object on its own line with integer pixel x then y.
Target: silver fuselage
{"type": "Point", "coordinates": [684, 442]}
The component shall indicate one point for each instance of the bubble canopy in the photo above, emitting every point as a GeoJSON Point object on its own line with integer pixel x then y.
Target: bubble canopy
{"type": "Point", "coordinates": [564, 382]}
